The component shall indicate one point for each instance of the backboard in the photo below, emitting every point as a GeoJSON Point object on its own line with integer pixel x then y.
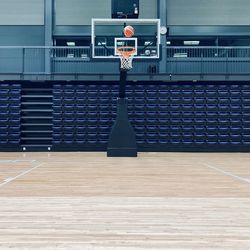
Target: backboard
{"type": "Point", "coordinates": [107, 34]}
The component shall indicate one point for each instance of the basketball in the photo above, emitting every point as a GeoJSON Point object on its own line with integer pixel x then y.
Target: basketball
{"type": "Point", "coordinates": [129, 31]}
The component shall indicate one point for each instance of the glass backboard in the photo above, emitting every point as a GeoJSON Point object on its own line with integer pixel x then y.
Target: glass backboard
{"type": "Point", "coordinates": [107, 34]}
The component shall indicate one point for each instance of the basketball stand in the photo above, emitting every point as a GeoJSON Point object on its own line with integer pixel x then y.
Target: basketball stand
{"type": "Point", "coordinates": [122, 139]}
{"type": "Point", "coordinates": [122, 41]}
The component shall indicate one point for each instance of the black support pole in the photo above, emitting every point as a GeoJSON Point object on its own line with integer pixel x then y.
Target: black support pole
{"type": "Point", "coordinates": [123, 79]}
{"type": "Point", "coordinates": [122, 139]}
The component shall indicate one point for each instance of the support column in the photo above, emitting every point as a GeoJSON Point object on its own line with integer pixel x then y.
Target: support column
{"type": "Point", "coordinates": [48, 30]}
{"type": "Point", "coordinates": [122, 138]}
{"type": "Point", "coordinates": [162, 14]}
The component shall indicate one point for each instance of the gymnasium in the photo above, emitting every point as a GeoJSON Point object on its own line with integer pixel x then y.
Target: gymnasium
{"type": "Point", "coordinates": [124, 124]}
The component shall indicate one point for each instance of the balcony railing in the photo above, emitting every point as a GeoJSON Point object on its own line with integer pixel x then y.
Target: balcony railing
{"type": "Point", "coordinates": [208, 60]}
{"type": "Point", "coordinates": [77, 60]}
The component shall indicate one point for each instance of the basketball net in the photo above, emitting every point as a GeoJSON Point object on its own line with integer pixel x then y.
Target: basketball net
{"type": "Point", "coordinates": [126, 55]}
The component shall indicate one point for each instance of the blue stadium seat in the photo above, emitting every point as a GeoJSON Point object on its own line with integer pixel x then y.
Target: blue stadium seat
{"type": "Point", "coordinates": [211, 107]}
{"type": "Point", "coordinates": [104, 129]}
{"type": "Point", "coordinates": [211, 128]}
{"type": "Point", "coordinates": [199, 121]}
{"type": "Point", "coordinates": [14, 121]}
{"type": "Point", "coordinates": [69, 107]}
{"type": "Point", "coordinates": [151, 128]}
{"type": "Point", "coordinates": [139, 128]}
{"type": "Point", "coordinates": [211, 142]}
{"type": "Point", "coordinates": [81, 121]}
{"type": "Point", "coordinates": [69, 121]}
{"type": "Point", "coordinates": [3, 141]}
{"type": "Point", "coordinates": [80, 136]}
{"type": "Point", "coordinates": [105, 107]}
{"type": "Point", "coordinates": [163, 141]}
{"type": "Point", "coordinates": [68, 135]}
{"type": "Point", "coordinates": [80, 114]}
{"type": "Point", "coordinates": [92, 100]}
{"type": "Point", "coordinates": [163, 87]}
{"type": "Point", "coordinates": [187, 141]}
{"type": "Point", "coordinates": [139, 115]}
{"type": "Point", "coordinates": [163, 114]}
{"type": "Point", "coordinates": [92, 114]}
{"type": "Point", "coordinates": [69, 128]}
{"type": "Point", "coordinates": [174, 121]}
{"type": "Point", "coordinates": [92, 108]}
{"type": "Point", "coordinates": [187, 121]}
{"type": "Point", "coordinates": [105, 122]}
{"type": "Point", "coordinates": [175, 134]}
{"type": "Point", "coordinates": [81, 141]}
{"type": "Point", "coordinates": [57, 121]}
{"type": "Point", "coordinates": [57, 128]}
{"type": "Point", "coordinates": [92, 141]}
{"type": "Point", "coordinates": [174, 128]}
{"type": "Point", "coordinates": [139, 94]}
{"type": "Point", "coordinates": [223, 136]}
{"type": "Point", "coordinates": [81, 107]}
{"type": "Point", "coordinates": [15, 141]}
{"type": "Point", "coordinates": [4, 135]}
{"type": "Point", "coordinates": [150, 121]}
{"type": "Point", "coordinates": [69, 100]}
{"type": "Point", "coordinates": [57, 136]}
{"type": "Point", "coordinates": [104, 136]}
{"type": "Point", "coordinates": [246, 136]}
{"type": "Point", "coordinates": [175, 141]}
{"type": "Point", "coordinates": [151, 141]}
{"type": "Point", "coordinates": [68, 141]}
{"type": "Point", "coordinates": [69, 114]}
{"type": "Point", "coordinates": [92, 128]}
{"type": "Point", "coordinates": [103, 142]}
{"type": "Point", "coordinates": [187, 128]}
{"type": "Point", "coordinates": [92, 121]}
{"type": "Point", "coordinates": [199, 135]}
{"type": "Point", "coordinates": [57, 141]}
{"type": "Point", "coordinates": [105, 100]}
{"type": "Point", "coordinates": [199, 128]}
{"type": "Point", "coordinates": [186, 114]}
{"type": "Point", "coordinates": [211, 121]}
{"type": "Point", "coordinates": [235, 142]}
{"type": "Point", "coordinates": [165, 107]}
{"type": "Point", "coordinates": [163, 135]}
{"type": "Point", "coordinates": [104, 114]}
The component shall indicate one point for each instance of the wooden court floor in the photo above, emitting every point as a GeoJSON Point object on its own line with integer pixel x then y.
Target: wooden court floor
{"type": "Point", "coordinates": [156, 201]}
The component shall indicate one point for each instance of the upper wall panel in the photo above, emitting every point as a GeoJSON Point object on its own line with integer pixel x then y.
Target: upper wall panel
{"type": "Point", "coordinates": [208, 12]}
{"type": "Point", "coordinates": [21, 12]}
{"type": "Point", "coordinates": [80, 12]}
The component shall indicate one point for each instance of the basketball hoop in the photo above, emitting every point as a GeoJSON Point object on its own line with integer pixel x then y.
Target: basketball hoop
{"type": "Point", "coordinates": [126, 54]}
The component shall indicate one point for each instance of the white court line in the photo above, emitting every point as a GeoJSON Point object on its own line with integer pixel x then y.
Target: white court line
{"type": "Point", "coordinates": [13, 161]}
{"type": "Point", "coordinates": [227, 173]}
{"type": "Point", "coordinates": [10, 179]}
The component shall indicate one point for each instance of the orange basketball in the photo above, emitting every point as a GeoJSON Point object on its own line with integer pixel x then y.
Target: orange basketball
{"type": "Point", "coordinates": [129, 31]}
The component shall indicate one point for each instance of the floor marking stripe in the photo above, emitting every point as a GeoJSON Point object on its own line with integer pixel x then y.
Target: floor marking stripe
{"type": "Point", "coordinates": [10, 179]}
{"type": "Point", "coordinates": [227, 173]}
{"type": "Point", "coordinates": [14, 161]}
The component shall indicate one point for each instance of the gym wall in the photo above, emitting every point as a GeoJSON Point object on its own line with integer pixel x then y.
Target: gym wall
{"type": "Point", "coordinates": [204, 12]}
{"type": "Point", "coordinates": [80, 12]}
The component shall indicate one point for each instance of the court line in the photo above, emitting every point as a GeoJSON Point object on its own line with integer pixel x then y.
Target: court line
{"type": "Point", "coordinates": [10, 179]}
{"type": "Point", "coordinates": [246, 180]}
{"type": "Point", "coordinates": [9, 161]}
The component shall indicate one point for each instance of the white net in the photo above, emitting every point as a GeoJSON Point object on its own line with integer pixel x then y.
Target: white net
{"type": "Point", "coordinates": [126, 63]}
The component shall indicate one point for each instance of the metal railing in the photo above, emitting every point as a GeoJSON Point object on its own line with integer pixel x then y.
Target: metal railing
{"type": "Point", "coordinates": [179, 60]}
{"type": "Point", "coordinates": [208, 60]}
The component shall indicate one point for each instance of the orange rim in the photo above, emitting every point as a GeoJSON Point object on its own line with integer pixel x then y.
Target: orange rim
{"type": "Point", "coordinates": [126, 51]}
